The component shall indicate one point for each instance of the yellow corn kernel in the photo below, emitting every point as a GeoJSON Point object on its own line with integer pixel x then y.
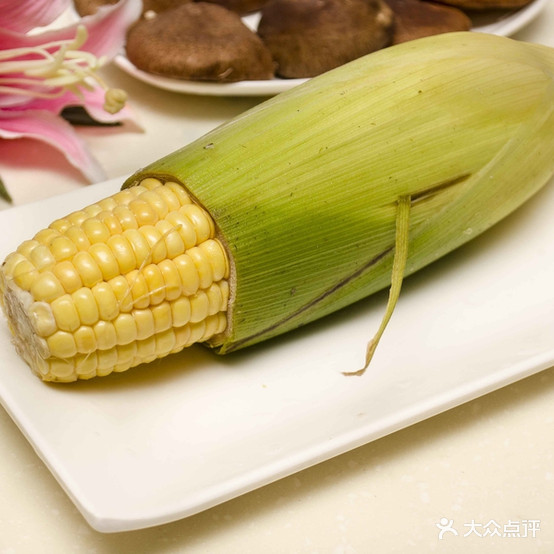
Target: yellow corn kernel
{"type": "Point", "coordinates": [190, 280]}
{"type": "Point", "coordinates": [110, 221]}
{"type": "Point", "coordinates": [162, 317]}
{"type": "Point", "coordinates": [105, 335]}
{"type": "Point", "coordinates": [126, 356]}
{"type": "Point", "coordinates": [85, 367]}
{"type": "Point", "coordinates": [143, 212]}
{"type": "Point", "coordinates": [122, 291]}
{"type": "Point", "coordinates": [203, 266]}
{"type": "Point", "coordinates": [171, 279]}
{"type": "Point", "coordinates": [172, 201]}
{"type": "Point", "coordinates": [123, 253]}
{"type": "Point", "coordinates": [180, 311]}
{"type": "Point", "coordinates": [224, 288]}
{"type": "Point", "coordinates": [86, 364]}
{"type": "Point", "coordinates": [138, 289]}
{"type": "Point", "coordinates": [25, 274]}
{"type": "Point", "coordinates": [173, 241]}
{"type": "Point", "coordinates": [95, 230]}
{"type": "Point", "coordinates": [62, 344]}
{"type": "Point", "coordinates": [126, 218]}
{"type": "Point", "coordinates": [46, 287]}
{"type": "Point", "coordinates": [146, 349]}
{"type": "Point", "coordinates": [106, 361]}
{"type": "Point", "coordinates": [88, 269]}
{"type": "Point", "coordinates": [86, 306]}
{"type": "Point", "coordinates": [179, 191]}
{"type": "Point", "coordinates": [46, 236]}
{"type": "Point", "coordinates": [11, 261]}
{"type": "Point", "coordinates": [144, 321]}
{"type": "Point", "coordinates": [184, 227]}
{"type": "Point", "coordinates": [155, 283]}
{"type": "Point", "coordinates": [26, 247]}
{"type": "Point", "coordinates": [165, 343]}
{"type": "Point", "coordinates": [215, 299]}
{"type": "Point", "coordinates": [62, 248]}
{"type": "Point", "coordinates": [156, 244]}
{"type": "Point", "coordinates": [106, 205]}
{"type": "Point", "coordinates": [78, 237]}
{"type": "Point", "coordinates": [156, 202]}
{"type": "Point", "coordinates": [105, 260]}
{"type": "Point", "coordinates": [125, 329]}
{"type": "Point", "coordinates": [215, 254]}
{"type": "Point", "coordinates": [85, 339]}
{"type": "Point", "coordinates": [149, 183]}
{"type": "Point", "coordinates": [215, 324]}
{"type": "Point", "coordinates": [199, 306]}
{"type": "Point", "coordinates": [68, 276]}
{"type": "Point", "coordinates": [108, 306]}
{"type": "Point", "coordinates": [65, 313]}
{"type": "Point", "coordinates": [124, 197]}
{"type": "Point", "coordinates": [182, 337]}
{"type": "Point", "coordinates": [62, 369]}
{"type": "Point", "coordinates": [197, 331]}
{"type": "Point", "coordinates": [202, 223]}
{"type": "Point", "coordinates": [61, 225]}
{"type": "Point", "coordinates": [77, 218]}
{"type": "Point", "coordinates": [92, 210]}
{"type": "Point", "coordinates": [140, 246]}
{"type": "Point", "coordinates": [41, 257]}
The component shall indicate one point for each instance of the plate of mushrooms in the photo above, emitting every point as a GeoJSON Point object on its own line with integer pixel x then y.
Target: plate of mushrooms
{"type": "Point", "coordinates": [263, 47]}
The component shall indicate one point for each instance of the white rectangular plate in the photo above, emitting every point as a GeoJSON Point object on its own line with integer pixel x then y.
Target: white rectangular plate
{"type": "Point", "coordinates": [164, 441]}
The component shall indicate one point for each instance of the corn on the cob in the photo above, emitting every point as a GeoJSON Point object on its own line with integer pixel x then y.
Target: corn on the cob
{"type": "Point", "coordinates": [315, 198]}
{"type": "Point", "coordinates": [125, 281]}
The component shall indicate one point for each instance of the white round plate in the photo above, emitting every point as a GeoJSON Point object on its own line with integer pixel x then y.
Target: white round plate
{"type": "Point", "coordinates": [504, 23]}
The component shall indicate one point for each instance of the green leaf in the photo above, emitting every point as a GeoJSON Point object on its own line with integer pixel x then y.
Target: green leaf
{"type": "Point", "coordinates": [4, 192]}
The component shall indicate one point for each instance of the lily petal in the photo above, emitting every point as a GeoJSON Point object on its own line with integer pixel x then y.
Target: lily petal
{"type": "Point", "coordinates": [51, 129]}
{"type": "Point", "coordinates": [24, 15]}
{"type": "Point", "coordinates": [107, 29]}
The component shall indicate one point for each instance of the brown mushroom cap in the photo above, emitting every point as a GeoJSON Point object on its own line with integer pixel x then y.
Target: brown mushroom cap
{"type": "Point", "coordinates": [240, 6]}
{"type": "Point", "coordinates": [158, 6]}
{"type": "Point", "coordinates": [88, 7]}
{"type": "Point", "coordinates": [309, 37]}
{"type": "Point", "coordinates": [487, 4]}
{"type": "Point", "coordinates": [417, 18]}
{"type": "Point", "coordinates": [199, 41]}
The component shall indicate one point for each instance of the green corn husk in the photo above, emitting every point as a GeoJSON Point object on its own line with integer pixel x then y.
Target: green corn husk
{"type": "Point", "coordinates": [304, 188]}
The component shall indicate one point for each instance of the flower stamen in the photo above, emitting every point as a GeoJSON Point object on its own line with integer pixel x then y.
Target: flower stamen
{"type": "Point", "coordinates": [51, 69]}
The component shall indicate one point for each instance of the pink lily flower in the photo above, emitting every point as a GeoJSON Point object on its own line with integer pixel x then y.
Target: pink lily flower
{"type": "Point", "coordinates": [42, 73]}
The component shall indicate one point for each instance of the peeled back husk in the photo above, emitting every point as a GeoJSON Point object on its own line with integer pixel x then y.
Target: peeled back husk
{"type": "Point", "coordinates": [304, 187]}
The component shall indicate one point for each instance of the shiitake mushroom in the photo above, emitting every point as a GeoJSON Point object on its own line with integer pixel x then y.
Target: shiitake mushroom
{"type": "Point", "coordinates": [240, 6]}
{"type": "Point", "coordinates": [419, 18]}
{"type": "Point", "coordinates": [487, 4]}
{"type": "Point", "coordinates": [198, 41]}
{"type": "Point", "coordinates": [309, 37]}
{"type": "Point", "coordinates": [88, 7]}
